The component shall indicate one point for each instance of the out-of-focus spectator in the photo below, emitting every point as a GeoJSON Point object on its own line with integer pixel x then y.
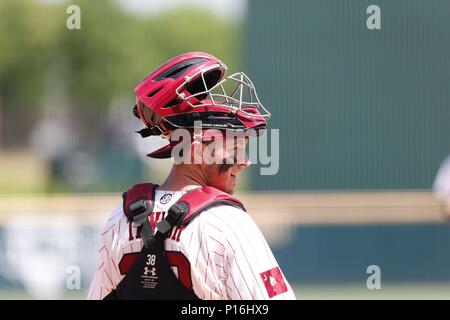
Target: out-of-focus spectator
{"type": "Point", "coordinates": [441, 186]}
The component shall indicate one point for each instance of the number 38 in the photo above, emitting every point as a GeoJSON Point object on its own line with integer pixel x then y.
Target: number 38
{"type": "Point", "coordinates": [151, 259]}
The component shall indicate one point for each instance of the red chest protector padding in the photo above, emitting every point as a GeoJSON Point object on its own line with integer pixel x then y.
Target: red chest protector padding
{"type": "Point", "coordinates": [138, 203]}
{"type": "Point", "coordinates": [140, 198]}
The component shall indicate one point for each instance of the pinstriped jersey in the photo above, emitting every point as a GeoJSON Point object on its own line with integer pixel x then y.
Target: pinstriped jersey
{"type": "Point", "coordinates": [221, 254]}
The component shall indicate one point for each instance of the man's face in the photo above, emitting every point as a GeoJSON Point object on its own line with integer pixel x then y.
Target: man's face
{"type": "Point", "coordinates": [225, 176]}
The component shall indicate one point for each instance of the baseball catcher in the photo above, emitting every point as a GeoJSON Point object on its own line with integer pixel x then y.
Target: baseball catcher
{"type": "Point", "coordinates": [189, 238]}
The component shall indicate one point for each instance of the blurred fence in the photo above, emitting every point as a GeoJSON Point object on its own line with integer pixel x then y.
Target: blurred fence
{"type": "Point", "coordinates": [318, 238]}
{"type": "Point", "coordinates": [356, 108]}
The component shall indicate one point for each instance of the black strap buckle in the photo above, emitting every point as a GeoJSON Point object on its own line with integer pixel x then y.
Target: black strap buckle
{"type": "Point", "coordinates": [174, 215]}
{"type": "Point", "coordinates": [138, 207]}
{"type": "Point", "coordinates": [177, 211]}
{"type": "Point", "coordinates": [139, 211]}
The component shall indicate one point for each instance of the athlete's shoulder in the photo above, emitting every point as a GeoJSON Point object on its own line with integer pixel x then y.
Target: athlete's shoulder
{"type": "Point", "coordinates": [225, 212]}
{"type": "Point", "coordinates": [115, 217]}
{"type": "Point", "coordinates": [231, 222]}
{"type": "Point", "coordinates": [114, 227]}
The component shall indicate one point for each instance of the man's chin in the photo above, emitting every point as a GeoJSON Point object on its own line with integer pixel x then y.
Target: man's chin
{"type": "Point", "coordinates": [230, 191]}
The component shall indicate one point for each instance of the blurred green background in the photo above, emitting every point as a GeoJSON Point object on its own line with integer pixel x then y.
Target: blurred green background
{"type": "Point", "coordinates": [363, 118]}
{"type": "Point", "coordinates": [66, 96]}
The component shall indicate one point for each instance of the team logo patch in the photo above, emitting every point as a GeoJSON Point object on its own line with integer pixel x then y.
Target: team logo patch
{"type": "Point", "coordinates": [274, 282]}
{"type": "Point", "coordinates": [165, 198]}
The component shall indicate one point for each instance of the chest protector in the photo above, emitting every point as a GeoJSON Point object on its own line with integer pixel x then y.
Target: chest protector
{"type": "Point", "coordinates": [151, 277]}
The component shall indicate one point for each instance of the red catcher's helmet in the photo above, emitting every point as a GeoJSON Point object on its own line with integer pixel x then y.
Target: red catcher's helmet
{"type": "Point", "coordinates": [193, 87]}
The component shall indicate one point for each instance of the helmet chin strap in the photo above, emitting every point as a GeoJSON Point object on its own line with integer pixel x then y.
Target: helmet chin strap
{"type": "Point", "coordinates": [147, 132]}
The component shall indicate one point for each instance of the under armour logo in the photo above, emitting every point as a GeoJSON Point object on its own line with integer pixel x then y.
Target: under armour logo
{"type": "Point", "coordinates": [148, 270]}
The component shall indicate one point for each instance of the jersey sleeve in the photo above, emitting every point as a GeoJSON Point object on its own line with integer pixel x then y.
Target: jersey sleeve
{"type": "Point", "coordinates": [250, 268]}
{"type": "Point", "coordinates": [102, 283]}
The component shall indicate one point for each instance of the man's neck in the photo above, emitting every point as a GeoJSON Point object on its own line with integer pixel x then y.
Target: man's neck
{"type": "Point", "coordinates": [183, 178]}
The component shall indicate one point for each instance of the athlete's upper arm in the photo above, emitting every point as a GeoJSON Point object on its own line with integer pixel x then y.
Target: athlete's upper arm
{"type": "Point", "coordinates": [102, 283]}
{"type": "Point", "coordinates": [252, 271]}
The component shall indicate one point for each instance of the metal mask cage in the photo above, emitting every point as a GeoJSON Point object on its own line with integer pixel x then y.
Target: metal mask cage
{"type": "Point", "coordinates": [235, 92]}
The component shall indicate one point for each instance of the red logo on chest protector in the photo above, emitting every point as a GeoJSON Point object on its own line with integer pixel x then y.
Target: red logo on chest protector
{"type": "Point", "coordinates": [274, 282]}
